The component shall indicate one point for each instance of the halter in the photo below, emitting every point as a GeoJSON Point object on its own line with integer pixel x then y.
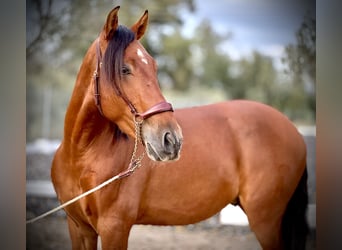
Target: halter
{"type": "Point", "coordinates": [155, 109]}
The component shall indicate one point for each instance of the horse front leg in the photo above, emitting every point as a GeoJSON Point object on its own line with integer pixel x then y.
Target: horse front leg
{"type": "Point", "coordinates": [82, 237]}
{"type": "Point", "coordinates": [114, 234]}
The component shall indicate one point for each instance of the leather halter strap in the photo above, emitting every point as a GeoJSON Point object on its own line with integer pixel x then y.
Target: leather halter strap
{"type": "Point", "coordinates": [155, 109]}
{"type": "Point", "coordinates": [96, 78]}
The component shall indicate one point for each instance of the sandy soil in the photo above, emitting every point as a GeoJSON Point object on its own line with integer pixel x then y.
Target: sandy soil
{"type": "Point", "coordinates": [51, 233]}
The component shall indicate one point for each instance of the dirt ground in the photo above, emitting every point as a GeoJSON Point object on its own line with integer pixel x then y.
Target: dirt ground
{"type": "Point", "coordinates": [51, 233]}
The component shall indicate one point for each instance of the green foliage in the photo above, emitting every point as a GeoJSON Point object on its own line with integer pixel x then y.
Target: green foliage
{"type": "Point", "coordinates": [214, 64]}
{"type": "Point", "coordinates": [301, 60]}
{"type": "Point", "coordinates": [301, 57]}
{"type": "Point", "coordinates": [255, 80]}
{"type": "Point", "coordinates": [175, 61]}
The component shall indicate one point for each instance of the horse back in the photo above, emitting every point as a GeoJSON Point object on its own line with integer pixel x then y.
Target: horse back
{"type": "Point", "coordinates": [251, 123]}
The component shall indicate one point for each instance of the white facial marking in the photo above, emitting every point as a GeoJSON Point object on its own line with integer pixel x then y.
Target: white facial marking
{"type": "Point", "coordinates": [142, 56]}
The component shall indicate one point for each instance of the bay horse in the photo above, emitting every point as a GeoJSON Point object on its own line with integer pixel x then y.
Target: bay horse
{"type": "Point", "coordinates": [199, 159]}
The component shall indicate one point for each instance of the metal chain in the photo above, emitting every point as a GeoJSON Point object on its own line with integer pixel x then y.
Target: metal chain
{"type": "Point", "coordinates": [136, 161]}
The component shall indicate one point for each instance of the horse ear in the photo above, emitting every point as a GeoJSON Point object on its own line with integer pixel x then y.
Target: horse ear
{"type": "Point", "coordinates": [139, 27]}
{"type": "Point", "coordinates": [111, 24]}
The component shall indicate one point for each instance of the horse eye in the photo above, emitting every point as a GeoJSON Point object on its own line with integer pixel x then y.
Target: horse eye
{"type": "Point", "coordinates": [125, 70]}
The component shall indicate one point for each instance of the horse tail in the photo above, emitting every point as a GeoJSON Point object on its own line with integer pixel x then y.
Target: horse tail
{"type": "Point", "coordinates": [294, 227]}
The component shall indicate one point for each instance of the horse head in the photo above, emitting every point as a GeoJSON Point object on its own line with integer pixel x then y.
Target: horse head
{"type": "Point", "coordinates": [126, 79]}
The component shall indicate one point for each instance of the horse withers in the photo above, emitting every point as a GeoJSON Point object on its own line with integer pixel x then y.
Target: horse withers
{"type": "Point", "coordinates": [240, 152]}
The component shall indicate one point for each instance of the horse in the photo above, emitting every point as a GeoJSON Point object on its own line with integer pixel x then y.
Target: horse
{"type": "Point", "coordinates": [200, 159]}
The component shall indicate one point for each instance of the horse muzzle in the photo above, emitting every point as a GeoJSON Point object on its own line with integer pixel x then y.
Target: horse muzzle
{"type": "Point", "coordinates": [164, 145]}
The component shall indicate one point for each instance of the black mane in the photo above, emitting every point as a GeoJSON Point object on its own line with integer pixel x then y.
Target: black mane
{"type": "Point", "coordinates": [113, 57]}
{"type": "Point", "coordinates": [113, 62]}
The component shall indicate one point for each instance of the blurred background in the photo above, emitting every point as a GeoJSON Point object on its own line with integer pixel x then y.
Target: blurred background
{"type": "Point", "coordinates": [207, 51]}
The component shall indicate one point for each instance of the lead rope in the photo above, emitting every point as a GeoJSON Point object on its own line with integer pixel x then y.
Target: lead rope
{"type": "Point", "coordinates": [133, 165]}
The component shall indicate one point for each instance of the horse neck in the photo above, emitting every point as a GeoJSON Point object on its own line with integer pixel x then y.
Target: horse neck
{"type": "Point", "coordinates": [84, 124]}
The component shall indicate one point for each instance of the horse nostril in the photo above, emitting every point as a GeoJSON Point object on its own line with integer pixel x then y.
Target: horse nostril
{"type": "Point", "coordinates": [169, 142]}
